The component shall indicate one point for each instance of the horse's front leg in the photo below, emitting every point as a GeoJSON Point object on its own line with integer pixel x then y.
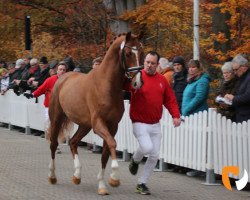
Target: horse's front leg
{"type": "Point", "coordinates": [114, 180]}
{"type": "Point", "coordinates": [109, 147]}
{"type": "Point", "coordinates": [102, 189]}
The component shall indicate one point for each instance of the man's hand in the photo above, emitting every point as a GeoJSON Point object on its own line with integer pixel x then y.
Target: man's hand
{"type": "Point", "coordinates": [28, 95]}
{"type": "Point", "coordinates": [176, 122]}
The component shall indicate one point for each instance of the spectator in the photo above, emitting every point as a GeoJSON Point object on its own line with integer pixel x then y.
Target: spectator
{"type": "Point", "coordinates": [16, 76]}
{"type": "Point", "coordinates": [195, 95]}
{"type": "Point", "coordinates": [11, 71]}
{"type": "Point", "coordinates": [36, 81]}
{"type": "Point", "coordinates": [70, 63]}
{"type": "Point", "coordinates": [5, 79]}
{"type": "Point", "coordinates": [178, 85]}
{"type": "Point", "coordinates": [27, 60]}
{"type": "Point", "coordinates": [2, 65]}
{"type": "Point", "coordinates": [241, 99]}
{"type": "Point", "coordinates": [165, 68]}
{"type": "Point", "coordinates": [180, 78]}
{"type": "Point", "coordinates": [31, 70]}
{"type": "Point", "coordinates": [46, 89]}
{"type": "Point", "coordinates": [145, 112]}
{"type": "Point", "coordinates": [228, 86]}
{"type": "Point", "coordinates": [52, 67]}
{"type": "Point", "coordinates": [96, 62]}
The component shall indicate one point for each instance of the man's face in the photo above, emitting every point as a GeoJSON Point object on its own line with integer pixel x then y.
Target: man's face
{"type": "Point", "coordinates": [96, 64]}
{"type": "Point", "coordinates": [150, 64]}
{"type": "Point", "coordinates": [238, 69]}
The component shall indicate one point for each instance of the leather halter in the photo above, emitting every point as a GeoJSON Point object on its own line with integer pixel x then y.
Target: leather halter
{"type": "Point", "coordinates": [131, 69]}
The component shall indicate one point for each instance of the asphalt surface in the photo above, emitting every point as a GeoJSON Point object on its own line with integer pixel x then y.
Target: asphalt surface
{"type": "Point", "coordinates": [24, 161]}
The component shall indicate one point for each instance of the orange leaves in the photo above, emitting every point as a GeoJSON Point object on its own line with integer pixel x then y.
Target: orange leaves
{"type": "Point", "coordinates": [220, 37]}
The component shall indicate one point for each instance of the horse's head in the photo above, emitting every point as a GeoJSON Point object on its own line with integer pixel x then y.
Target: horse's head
{"type": "Point", "coordinates": [132, 58]}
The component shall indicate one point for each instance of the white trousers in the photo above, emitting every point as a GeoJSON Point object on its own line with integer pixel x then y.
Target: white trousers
{"type": "Point", "coordinates": [149, 139]}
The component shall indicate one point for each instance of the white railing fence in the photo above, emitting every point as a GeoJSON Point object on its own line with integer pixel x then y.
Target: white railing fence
{"type": "Point", "coordinates": [205, 141]}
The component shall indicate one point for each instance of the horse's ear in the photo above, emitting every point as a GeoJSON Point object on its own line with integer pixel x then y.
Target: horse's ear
{"type": "Point", "coordinates": [128, 36]}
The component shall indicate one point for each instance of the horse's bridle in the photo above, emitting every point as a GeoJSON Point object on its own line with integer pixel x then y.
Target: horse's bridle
{"type": "Point", "coordinates": [131, 69]}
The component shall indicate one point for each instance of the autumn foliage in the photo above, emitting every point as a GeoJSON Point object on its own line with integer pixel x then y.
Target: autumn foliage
{"type": "Point", "coordinates": [81, 28]}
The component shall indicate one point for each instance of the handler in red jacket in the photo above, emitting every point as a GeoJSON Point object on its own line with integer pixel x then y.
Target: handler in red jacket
{"type": "Point", "coordinates": [145, 112]}
{"type": "Point", "coordinates": [46, 89]}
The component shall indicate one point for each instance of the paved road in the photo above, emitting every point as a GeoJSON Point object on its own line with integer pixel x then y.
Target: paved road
{"type": "Point", "coordinates": [24, 167]}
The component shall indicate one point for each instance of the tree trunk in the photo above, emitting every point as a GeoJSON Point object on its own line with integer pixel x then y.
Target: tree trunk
{"type": "Point", "coordinates": [119, 7]}
{"type": "Point", "coordinates": [219, 25]}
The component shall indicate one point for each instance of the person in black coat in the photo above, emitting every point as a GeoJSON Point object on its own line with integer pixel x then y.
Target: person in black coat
{"type": "Point", "coordinates": [241, 99]}
{"type": "Point", "coordinates": [179, 78]}
{"type": "Point", "coordinates": [228, 86]}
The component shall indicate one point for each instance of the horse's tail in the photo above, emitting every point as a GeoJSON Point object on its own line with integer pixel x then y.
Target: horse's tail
{"type": "Point", "coordinates": [60, 126]}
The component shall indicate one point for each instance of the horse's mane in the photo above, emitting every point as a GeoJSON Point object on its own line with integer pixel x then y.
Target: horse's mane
{"type": "Point", "coordinates": [111, 42]}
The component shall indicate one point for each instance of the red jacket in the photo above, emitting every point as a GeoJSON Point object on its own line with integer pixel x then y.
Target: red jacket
{"type": "Point", "coordinates": [46, 89]}
{"type": "Point", "coordinates": [146, 104]}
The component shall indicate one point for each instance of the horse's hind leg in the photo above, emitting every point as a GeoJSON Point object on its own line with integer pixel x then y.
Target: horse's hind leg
{"type": "Point", "coordinates": [80, 133]}
{"type": "Point", "coordinates": [55, 127]}
{"type": "Point", "coordinates": [53, 146]}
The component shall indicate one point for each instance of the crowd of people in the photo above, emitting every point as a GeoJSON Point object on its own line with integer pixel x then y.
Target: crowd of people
{"type": "Point", "coordinates": [29, 74]}
{"type": "Point", "coordinates": [182, 88]}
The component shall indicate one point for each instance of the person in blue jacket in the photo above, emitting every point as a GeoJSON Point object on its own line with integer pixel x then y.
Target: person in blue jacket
{"type": "Point", "coordinates": [195, 95]}
{"type": "Point", "coordinates": [196, 92]}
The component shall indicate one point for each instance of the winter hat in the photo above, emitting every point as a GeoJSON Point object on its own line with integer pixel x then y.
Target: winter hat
{"type": "Point", "coordinates": [53, 64]}
{"type": "Point", "coordinates": [43, 60]}
{"type": "Point", "coordinates": [180, 60]}
{"type": "Point", "coordinates": [19, 63]}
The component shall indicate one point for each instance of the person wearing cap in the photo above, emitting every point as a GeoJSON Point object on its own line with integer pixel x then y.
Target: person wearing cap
{"type": "Point", "coordinates": [165, 68]}
{"type": "Point", "coordinates": [20, 67]}
{"type": "Point", "coordinates": [17, 76]}
{"type": "Point", "coordinates": [179, 78]}
{"type": "Point", "coordinates": [52, 67]}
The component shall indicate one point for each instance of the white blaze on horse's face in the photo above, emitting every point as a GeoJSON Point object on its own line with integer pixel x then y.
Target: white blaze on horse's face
{"type": "Point", "coordinates": [135, 51]}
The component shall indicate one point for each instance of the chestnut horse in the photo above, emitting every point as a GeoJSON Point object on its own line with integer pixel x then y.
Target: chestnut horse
{"type": "Point", "coordinates": [94, 100]}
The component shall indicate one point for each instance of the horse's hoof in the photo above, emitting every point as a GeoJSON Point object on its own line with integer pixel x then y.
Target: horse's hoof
{"type": "Point", "coordinates": [52, 180]}
{"type": "Point", "coordinates": [103, 191]}
{"type": "Point", "coordinates": [114, 183]}
{"type": "Point", "coordinates": [76, 181]}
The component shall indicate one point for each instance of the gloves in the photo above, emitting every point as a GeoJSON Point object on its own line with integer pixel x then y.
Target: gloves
{"type": "Point", "coordinates": [28, 95]}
